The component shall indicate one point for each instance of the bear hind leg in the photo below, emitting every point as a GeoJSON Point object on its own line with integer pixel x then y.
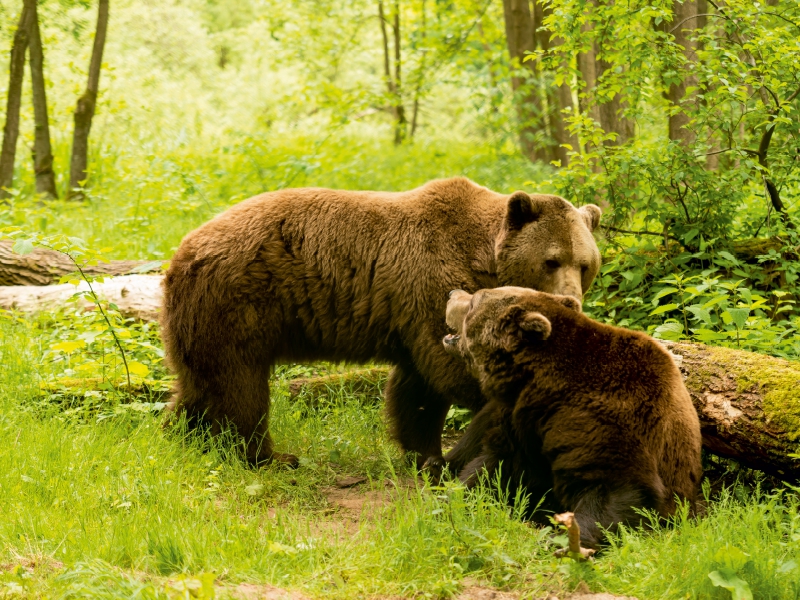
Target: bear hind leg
{"type": "Point", "coordinates": [240, 402]}
{"type": "Point", "coordinates": [416, 414]}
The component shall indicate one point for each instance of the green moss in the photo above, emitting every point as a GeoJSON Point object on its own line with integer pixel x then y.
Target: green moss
{"type": "Point", "coordinates": [777, 380]}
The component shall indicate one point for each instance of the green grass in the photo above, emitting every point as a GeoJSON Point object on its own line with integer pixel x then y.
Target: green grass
{"type": "Point", "coordinates": [108, 503]}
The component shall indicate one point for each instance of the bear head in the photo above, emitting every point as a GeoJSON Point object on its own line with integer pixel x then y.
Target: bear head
{"type": "Point", "coordinates": [546, 244]}
{"type": "Point", "coordinates": [493, 326]}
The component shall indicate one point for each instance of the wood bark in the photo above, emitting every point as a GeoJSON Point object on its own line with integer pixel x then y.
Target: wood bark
{"type": "Point", "coordinates": [608, 114]}
{"type": "Point", "coordinates": [393, 82]}
{"type": "Point", "coordinates": [44, 267]}
{"type": "Point", "coordinates": [520, 39]}
{"type": "Point", "coordinates": [85, 108]}
{"type": "Point", "coordinates": [420, 73]}
{"type": "Point", "coordinates": [684, 21]}
{"type": "Point", "coordinates": [137, 296]}
{"type": "Point", "coordinates": [558, 97]}
{"type": "Point", "coordinates": [13, 102]}
{"type": "Point", "coordinates": [42, 150]}
{"type": "Point", "coordinates": [748, 405]}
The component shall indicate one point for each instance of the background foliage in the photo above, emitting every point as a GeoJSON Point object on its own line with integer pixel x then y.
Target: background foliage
{"type": "Point", "coordinates": [686, 133]}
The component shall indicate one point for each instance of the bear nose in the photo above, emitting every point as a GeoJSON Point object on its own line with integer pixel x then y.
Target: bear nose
{"type": "Point", "coordinates": [450, 295]}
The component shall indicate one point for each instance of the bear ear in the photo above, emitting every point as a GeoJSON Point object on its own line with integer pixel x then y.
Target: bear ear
{"type": "Point", "coordinates": [535, 325]}
{"type": "Point", "coordinates": [521, 211]}
{"type": "Point", "coordinates": [591, 214]}
{"type": "Point", "coordinates": [570, 302]}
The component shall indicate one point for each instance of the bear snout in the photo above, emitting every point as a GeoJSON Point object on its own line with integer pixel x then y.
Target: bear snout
{"type": "Point", "coordinates": [457, 308]}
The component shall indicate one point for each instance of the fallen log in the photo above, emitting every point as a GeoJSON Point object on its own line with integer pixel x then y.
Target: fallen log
{"type": "Point", "coordinates": [45, 267]}
{"type": "Point", "coordinates": [137, 296]}
{"type": "Point", "coordinates": [748, 403]}
{"type": "Point", "coordinates": [366, 382]}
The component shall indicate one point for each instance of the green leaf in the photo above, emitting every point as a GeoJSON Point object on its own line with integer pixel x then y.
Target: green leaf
{"type": "Point", "coordinates": [669, 331]}
{"type": "Point", "coordinates": [739, 316]}
{"type": "Point", "coordinates": [23, 247]}
{"type": "Point", "coordinates": [78, 242]}
{"type": "Point", "coordinates": [700, 313]}
{"type": "Point", "coordinates": [254, 489]}
{"type": "Point", "coordinates": [663, 308]}
{"type": "Point", "coordinates": [732, 557]}
{"type": "Point", "coordinates": [137, 368]}
{"type": "Point", "coordinates": [787, 567]}
{"type": "Point", "coordinates": [746, 294]}
{"type": "Point", "coordinates": [68, 346]}
{"type": "Point", "coordinates": [727, 579]}
{"type": "Point", "coordinates": [664, 292]}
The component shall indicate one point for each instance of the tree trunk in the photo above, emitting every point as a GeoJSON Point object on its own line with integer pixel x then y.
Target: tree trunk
{"type": "Point", "coordinates": [748, 405]}
{"type": "Point", "coordinates": [608, 114]}
{"type": "Point", "coordinates": [684, 21]}
{"type": "Point", "coordinates": [393, 81]}
{"type": "Point", "coordinates": [84, 110]}
{"type": "Point", "coordinates": [45, 267]}
{"type": "Point", "coordinates": [520, 38]}
{"type": "Point", "coordinates": [558, 97]}
{"type": "Point", "coordinates": [137, 296]}
{"type": "Point", "coordinates": [420, 74]}
{"type": "Point", "coordinates": [399, 109]}
{"type": "Point", "coordinates": [14, 100]}
{"type": "Point", "coordinates": [42, 152]}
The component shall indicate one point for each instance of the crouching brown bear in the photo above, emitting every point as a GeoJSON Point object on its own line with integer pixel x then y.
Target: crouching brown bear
{"type": "Point", "coordinates": [317, 274]}
{"type": "Point", "coordinates": [586, 417]}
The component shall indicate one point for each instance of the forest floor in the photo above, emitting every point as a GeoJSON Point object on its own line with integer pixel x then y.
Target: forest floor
{"type": "Point", "coordinates": [99, 500]}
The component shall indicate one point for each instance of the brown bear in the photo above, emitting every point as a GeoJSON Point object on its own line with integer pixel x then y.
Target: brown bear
{"type": "Point", "coordinates": [318, 274]}
{"type": "Point", "coordinates": [585, 417]}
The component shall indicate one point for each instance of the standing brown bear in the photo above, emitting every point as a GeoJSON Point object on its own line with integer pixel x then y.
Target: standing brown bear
{"type": "Point", "coordinates": [317, 274]}
{"type": "Point", "coordinates": [586, 417]}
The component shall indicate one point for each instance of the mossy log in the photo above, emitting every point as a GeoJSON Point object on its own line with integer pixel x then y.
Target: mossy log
{"type": "Point", "coordinates": [368, 382]}
{"type": "Point", "coordinates": [748, 403]}
{"type": "Point", "coordinates": [45, 267]}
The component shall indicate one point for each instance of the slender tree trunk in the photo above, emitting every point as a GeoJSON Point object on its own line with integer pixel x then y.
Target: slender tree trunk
{"type": "Point", "coordinates": [684, 21]}
{"type": "Point", "coordinates": [592, 67]}
{"type": "Point", "coordinates": [520, 39]}
{"type": "Point", "coordinates": [42, 152]}
{"type": "Point", "coordinates": [558, 97]}
{"type": "Point", "coordinates": [393, 81]}
{"type": "Point", "coordinates": [84, 110]}
{"type": "Point", "coordinates": [399, 109]}
{"type": "Point", "coordinates": [14, 100]}
{"type": "Point", "coordinates": [420, 73]}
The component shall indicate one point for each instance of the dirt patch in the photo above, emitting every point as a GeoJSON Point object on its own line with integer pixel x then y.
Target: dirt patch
{"type": "Point", "coordinates": [262, 591]}
{"type": "Point", "coordinates": [31, 563]}
{"type": "Point", "coordinates": [477, 592]}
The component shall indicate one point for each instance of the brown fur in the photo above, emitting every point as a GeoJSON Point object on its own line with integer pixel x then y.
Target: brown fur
{"type": "Point", "coordinates": [317, 274]}
{"type": "Point", "coordinates": [591, 418]}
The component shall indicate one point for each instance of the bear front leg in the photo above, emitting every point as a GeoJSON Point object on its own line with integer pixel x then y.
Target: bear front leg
{"type": "Point", "coordinates": [416, 414]}
{"type": "Point", "coordinates": [471, 443]}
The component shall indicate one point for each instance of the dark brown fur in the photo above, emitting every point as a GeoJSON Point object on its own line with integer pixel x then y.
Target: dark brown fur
{"type": "Point", "coordinates": [317, 274]}
{"type": "Point", "coordinates": [592, 419]}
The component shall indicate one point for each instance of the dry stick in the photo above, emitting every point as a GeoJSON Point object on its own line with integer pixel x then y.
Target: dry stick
{"type": "Point", "coordinates": [574, 550]}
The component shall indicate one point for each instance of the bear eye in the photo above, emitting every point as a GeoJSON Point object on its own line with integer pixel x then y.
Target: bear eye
{"type": "Point", "coordinates": [552, 264]}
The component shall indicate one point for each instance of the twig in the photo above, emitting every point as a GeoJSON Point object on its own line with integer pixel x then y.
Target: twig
{"type": "Point", "coordinates": [574, 549]}
{"type": "Point", "coordinates": [655, 233]}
